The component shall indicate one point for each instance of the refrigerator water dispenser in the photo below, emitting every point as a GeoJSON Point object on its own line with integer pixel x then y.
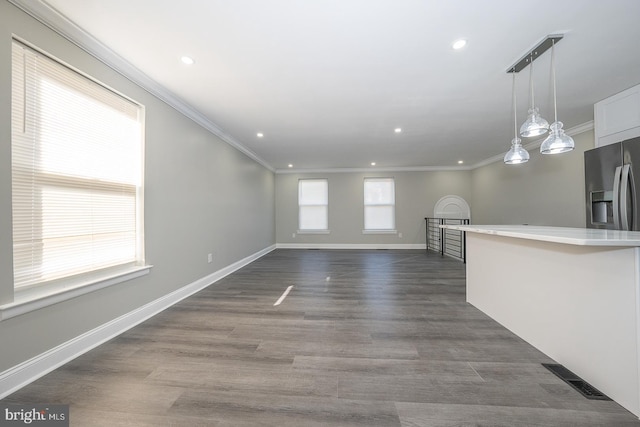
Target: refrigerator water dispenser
{"type": "Point", "coordinates": [602, 207]}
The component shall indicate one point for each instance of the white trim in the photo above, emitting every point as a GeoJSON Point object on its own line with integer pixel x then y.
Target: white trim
{"type": "Point", "coordinates": [439, 208]}
{"type": "Point", "coordinates": [584, 127]}
{"type": "Point", "coordinates": [26, 372]}
{"type": "Point", "coordinates": [32, 302]}
{"type": "Point", "coordinates": [57, 22]}
{"type": "Point", "coordinates": [313, 232]}
{"type": "Point", "coordinates": [76, 35]}
{"type": "Point", "coordinates": [351, 246]}
{"type": "Point", "coordinates": [380, 231]}
{"type": "Point", "coordinates": [375, 170]}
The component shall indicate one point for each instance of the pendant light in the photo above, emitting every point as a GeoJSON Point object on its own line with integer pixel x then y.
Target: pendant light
{"type": "Point", "coordinates": [517, 154]}
{"type": "Point", "coordinates": [535, 124]}
{"type": "Point", "coordinates": [557, 142]}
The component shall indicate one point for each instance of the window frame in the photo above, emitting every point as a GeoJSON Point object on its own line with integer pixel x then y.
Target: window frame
{"type": "Point", "coordinates": [31, 296]}
{"type": "Point", "coordinates": [392, 205]}
{"type": "Point", "coordinates": [301, 206]}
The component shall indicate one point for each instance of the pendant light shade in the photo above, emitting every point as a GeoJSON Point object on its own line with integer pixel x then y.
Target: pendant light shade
{"type": "Point", "coordinates": [535, 124]}
{"type": "Point", "coordinates": [557, 142]}
{"type": "Point", "coordinates": [517, 154]}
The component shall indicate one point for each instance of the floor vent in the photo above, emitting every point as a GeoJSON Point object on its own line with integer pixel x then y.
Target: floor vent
{"type": "Point", "coordinates": [586, 389]}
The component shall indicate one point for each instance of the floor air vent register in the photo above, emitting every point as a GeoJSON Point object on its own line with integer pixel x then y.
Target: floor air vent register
{"type": "Point", "coordinates": [586, 389]}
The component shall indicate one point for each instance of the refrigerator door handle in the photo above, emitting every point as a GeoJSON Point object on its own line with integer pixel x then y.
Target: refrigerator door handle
{"type": "Point", "coordinates": [624, 188]}
{"type": "Point", "coordinates": [627, 178]}
{"type": "Point", "coordinates": [634, 201]}
{"type": "Point", "coordinates": [616, 198]}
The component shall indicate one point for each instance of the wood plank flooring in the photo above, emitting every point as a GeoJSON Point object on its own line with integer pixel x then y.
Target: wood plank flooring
{"type": "Point", "coordinates": [364, 338]}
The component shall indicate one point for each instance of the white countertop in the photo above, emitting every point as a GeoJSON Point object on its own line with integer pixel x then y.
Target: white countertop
{"type": "Point", "coordinates": [569, 236]}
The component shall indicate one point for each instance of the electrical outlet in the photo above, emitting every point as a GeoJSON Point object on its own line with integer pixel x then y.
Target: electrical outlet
{"type": "Point", "coordinates": [399, 235]}
{"type": "Point", "coordinates": [210, 258]}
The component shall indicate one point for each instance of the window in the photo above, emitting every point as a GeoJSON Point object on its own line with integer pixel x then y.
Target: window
{"type": "Point", "coordinates": [379, 204]}
{"type": "Point", "coordinates": [77, 156]}
{"type": "Point", "coordinates": [313, 205]}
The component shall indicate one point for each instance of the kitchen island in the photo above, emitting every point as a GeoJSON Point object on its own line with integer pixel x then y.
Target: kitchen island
{"type": "Point", "coordinates": [572, 293]}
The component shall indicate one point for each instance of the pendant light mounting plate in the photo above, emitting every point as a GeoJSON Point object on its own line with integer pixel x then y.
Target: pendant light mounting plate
{"type": "Point", "coordinates": [534, 53]}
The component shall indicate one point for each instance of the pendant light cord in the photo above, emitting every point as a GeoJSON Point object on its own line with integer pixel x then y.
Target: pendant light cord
{"type": "Point", "coordinates": [513, 95]}
{"type": "Point", "coordinates": [553, 77]}
{"type": "Point", "coordinates": [531, 96]}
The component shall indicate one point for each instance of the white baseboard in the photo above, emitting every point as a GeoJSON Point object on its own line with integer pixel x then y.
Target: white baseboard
{"type": "Point", "coordinates": [351, 246]}
{"type": "Point", "coordinates": [26, 372]}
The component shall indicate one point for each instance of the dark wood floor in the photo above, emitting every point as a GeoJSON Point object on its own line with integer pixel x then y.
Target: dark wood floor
{"type": "Point", "coordinates": [365, 338]}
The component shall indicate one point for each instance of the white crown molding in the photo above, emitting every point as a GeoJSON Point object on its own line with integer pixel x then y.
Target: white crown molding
{"type": "Point", "coordinates": [53, 19]}
{"type": "Point", "coordinates": [584, 127]}
{"type": "Point", "coordinates": [76, 35]}
{"type": "Point", "coordinates": [375, 169]}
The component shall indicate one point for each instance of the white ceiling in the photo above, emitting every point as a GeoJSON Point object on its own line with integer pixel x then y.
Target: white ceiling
{"type": "Point", "coordinates": [328, 81]}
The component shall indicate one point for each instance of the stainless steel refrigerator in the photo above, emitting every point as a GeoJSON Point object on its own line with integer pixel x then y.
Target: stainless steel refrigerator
{"type": "Point", "coordinates": [610, 186]}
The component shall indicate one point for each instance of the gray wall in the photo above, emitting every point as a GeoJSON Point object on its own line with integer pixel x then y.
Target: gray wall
{"type": "Point", "coordinates": [547, 190]}
{"type": "Point", "coordinates": [416, 196]}
{"type": "Point", "coordinates": [201, 196]}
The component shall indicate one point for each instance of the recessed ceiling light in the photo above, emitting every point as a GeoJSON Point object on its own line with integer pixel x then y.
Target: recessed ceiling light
{"type": "Point", "coordinates": [290, 165]}
{"type": "Point", "coordinates": [373, 163]}
{"type": "Point", "coordinates": [187, 60]}
{"type": "Point", "coordinates": [259, 134]}
{"type": "Point", "coordinates": [397, 130]}
{"type": "Point", "coordinates": [460, 162]}
{"type": "Point", "coordinates": [459, 44]}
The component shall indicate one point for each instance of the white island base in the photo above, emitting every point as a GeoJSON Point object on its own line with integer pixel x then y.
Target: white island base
{"type": "Point", "coordinates": [571, 293]}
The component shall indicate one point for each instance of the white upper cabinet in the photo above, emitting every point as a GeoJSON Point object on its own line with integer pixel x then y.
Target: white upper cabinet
{"type": "Point", "coordinates": [617, 118]}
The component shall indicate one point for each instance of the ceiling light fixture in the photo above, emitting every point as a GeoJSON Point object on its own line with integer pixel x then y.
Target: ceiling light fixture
{"type": "Point", "coordinates": [557, 142]}
{"type": "Point", "coordinates": [259, 134]}
{"type": "Point", "coordinates": [517, 154]}
{"type": "Point", "coordinates": [460, 162]}
{"type": "Point", "coordinates": [459, 44]}
{"type": "Point", "coordinates": [290, 165]}
{"type": "Point", "coordinates": [397, 130]}
{"type": "Point", "coordinates": [535, 124]}
{"type": "Point", "coordinates": [373, 163]}
{"type": "Point", "coordinates": [187, 60]}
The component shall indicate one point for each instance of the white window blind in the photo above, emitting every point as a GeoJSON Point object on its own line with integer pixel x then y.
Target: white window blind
{"type": "Point", "coordinates": [77, 156]}
{"type": "Point", "coordinates": [379, 204]}
{"type": "Point", "coordinates": [313, 203]}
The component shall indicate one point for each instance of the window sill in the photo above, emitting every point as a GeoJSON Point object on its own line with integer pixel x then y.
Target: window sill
{"type": "Point", "coordinates": [379, 231]}
{"type": "Point", "coordinates": [28, 301]}
{"type": "Point", "coordinates": [314, 232]}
